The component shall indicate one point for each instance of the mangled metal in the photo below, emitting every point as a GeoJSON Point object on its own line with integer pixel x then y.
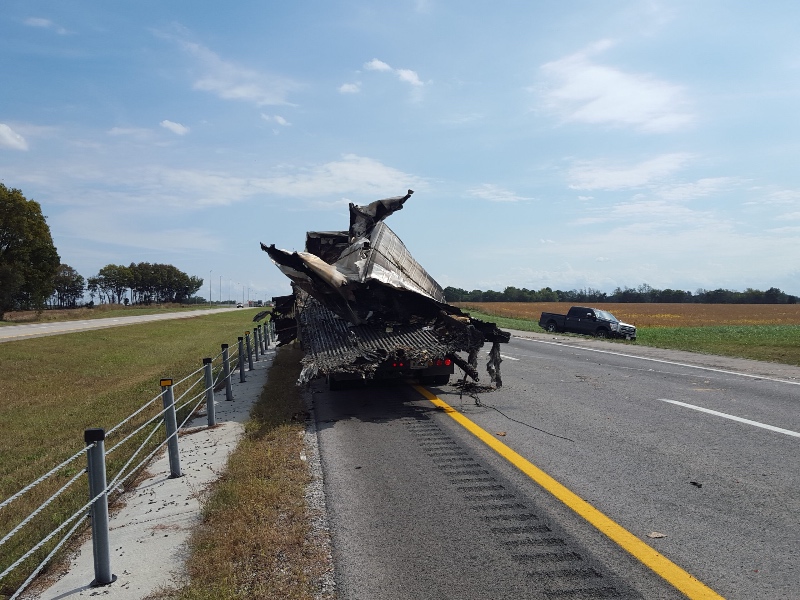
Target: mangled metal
{"type": "Point", "coordinates": [362, 304]}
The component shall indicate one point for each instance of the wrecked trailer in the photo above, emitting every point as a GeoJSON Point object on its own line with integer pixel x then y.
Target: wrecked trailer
{"type": "Point", "coordinates": [364, 309]}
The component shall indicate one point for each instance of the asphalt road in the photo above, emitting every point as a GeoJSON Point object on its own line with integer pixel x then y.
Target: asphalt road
{"type": "Point", "coordinates": [421, 508]}
{"type": "Point", "coordinates": [11, 333]}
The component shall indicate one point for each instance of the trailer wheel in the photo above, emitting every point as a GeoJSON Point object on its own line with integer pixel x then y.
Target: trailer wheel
{"type": "Point", "coordinates": [551, 327]}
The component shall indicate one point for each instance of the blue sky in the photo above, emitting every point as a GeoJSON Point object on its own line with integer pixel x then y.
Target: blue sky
{"type": "Point", "coordinates": [570, 145]}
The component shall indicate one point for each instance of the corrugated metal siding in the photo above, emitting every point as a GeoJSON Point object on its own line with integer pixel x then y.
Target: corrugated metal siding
{"type": "Point", "coordinates": [332, 344]}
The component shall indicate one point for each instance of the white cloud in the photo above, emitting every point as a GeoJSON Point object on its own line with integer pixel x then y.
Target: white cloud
{"type": "Point", "coordinates": [409, 76]}
{"type": "Point", "coordinates": [174, 127]}
{"type": "Point", "coordinates": [600, 175]}
{"type": "Point", "coordinates": [231, 81]}
{"type": "Point", "coordinates": [45, 24]}
{"type": "Point", "coordinates": [11, 139]}
{"type": "Point", "coordinates": [351, 174]}
{"type": "Point", "coordinates": [697, 189]}
{"type": "Point", "coordinates": [584, 91]}
{"type": "Point", "coordinates": [377, 65]}
{"type": "Point", "coordinates": [495, 193]}
{"type": "Point", "coordinates": [404, 75]}
{"type": "Point", "coordinates": [350, 88]}
{"type": "Point", "coordinates": [132, 131]}
{"type": "Point", "coordinates": [277, 119]}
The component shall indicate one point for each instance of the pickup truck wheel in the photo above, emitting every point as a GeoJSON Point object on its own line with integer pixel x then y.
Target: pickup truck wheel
{"type": "Point", "coordinates": [551, 327]}
{"type": "Point", "coordinates": [602, 332]}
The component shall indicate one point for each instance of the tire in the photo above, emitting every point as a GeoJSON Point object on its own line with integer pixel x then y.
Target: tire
{"type": "Point", "coordinates": [601, 333]}
{"type": "Point", "coordinates": [551, 327]}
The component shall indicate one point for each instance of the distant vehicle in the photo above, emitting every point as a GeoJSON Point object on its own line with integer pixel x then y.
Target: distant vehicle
{"type": "Point", "coordinates": [589, 321]}
{"type": "Point", "coordinates": [239, 305]}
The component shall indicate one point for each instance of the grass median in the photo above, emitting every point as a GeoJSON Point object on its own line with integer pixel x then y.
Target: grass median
{"type": "Point", "coordinates": [255, 540]}
{"type": "Point", "coordinates": [52, 388]}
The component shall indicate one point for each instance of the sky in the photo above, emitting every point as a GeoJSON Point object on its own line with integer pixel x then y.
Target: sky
{"type": "Point", "coordinates": [569, 145]}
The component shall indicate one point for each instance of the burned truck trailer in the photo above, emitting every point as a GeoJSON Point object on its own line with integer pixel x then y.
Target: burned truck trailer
{"type": "Point", "coordinates": [363, 308]}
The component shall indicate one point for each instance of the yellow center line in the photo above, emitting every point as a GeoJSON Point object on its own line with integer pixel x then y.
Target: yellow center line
{"type": "Point", "coordinates": [662, 566]}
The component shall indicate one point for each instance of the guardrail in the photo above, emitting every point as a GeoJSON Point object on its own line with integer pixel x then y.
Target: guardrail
{"type": "Point", "coordinates": [193, 391]}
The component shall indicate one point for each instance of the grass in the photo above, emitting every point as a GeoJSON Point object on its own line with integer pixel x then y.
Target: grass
{"type": "Point", "coordinates": [773, 342]}
{"type": "Point", "coordinates": [255, 539]}
{"type": "Point", "coordinates": [52, 388]}
{"type": "Point", "coordinates": [101, 311]}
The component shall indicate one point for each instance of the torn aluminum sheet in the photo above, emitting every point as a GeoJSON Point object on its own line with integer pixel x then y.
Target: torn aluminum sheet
{"type": "Point", "coordinates": [366, 277]}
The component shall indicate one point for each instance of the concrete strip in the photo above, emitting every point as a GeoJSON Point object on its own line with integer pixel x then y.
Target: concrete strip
{"type": "Point", "coordinates": [148, 535]}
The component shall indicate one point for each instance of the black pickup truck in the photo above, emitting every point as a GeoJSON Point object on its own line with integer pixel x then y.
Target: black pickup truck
{"type": "Point", "coordinates": [590, 321]}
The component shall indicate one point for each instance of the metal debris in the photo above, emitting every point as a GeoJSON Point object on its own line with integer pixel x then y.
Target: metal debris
{"type": "Point", "coordinates": [361, 302]}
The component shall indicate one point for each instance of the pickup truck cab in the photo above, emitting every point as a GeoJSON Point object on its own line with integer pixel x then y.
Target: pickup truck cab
{"type": "Point", "coordinates": [588, 321]}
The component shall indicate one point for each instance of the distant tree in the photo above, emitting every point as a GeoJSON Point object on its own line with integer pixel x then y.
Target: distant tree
{"type": "Point", "coordinates": [161, 283]}
{"type": "Point", "coordinates": [115, 279]}
{"type": "Point", "coordinates": [28, 258]}
{"type": "Point", "coordinates": [453, 294]}
{"type": "Point", "coordinates": [69, 286]}
{"type": "Point", "coordinates": [93, 288]}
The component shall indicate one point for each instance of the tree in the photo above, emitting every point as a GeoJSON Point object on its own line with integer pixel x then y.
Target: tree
{"type": "Point", "coordinates": [115, 279]}
{"type": "Point", "coordinates": [28, 258]}
{"type": "Point", "coordinates": [69, 286]}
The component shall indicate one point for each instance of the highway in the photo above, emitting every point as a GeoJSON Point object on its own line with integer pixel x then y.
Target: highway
{"type": "Point", "coordinates": [11, 333]}
{"type": "Point", "coordinates": [693, 457]}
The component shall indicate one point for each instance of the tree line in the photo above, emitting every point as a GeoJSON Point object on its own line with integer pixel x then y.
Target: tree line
{"type": "Point", "coordinates": [32, 274]}
{"type": "Point", "coordinates": [138, 283]}
{"type": "Point", "coordinates": [642, 293]}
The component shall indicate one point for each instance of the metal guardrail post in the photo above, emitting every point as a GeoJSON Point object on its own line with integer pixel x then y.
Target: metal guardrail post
{"type": "Point", "coordinates": [242, 377]}
{"type": "Point", "coordinates": [171, 424]}
{"type": "Point", "coordinates": [249, 351]}
{"type": "Point", "coordinates": [226, 371]}
{"type": "Point", "coordinates": [262, 334]}
{"type": "Point", "coordinates": [256, 343]}
{"type": "Point", "coordinates": [209, 376]}
{"type": "Point", "coordinates": [96, 465]}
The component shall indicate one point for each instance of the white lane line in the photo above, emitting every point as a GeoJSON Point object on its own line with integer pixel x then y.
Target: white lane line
{"type": "Point", "coordinates": [660, 360]}
{"type": "Point", "coordinates": [503, 356]}
{"type": "Point", "coordinates": [733, 418]}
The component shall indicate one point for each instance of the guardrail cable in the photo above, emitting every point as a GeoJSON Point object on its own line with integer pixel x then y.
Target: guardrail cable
{"type": "Point", "coordinates": [30, 486]}
{"type": "Point", "coordinates": [52, 534]}
{"type": "Point", "coordinates": [47, 558]}
{"type": "Point", "coordinates": [158, 416]}
{"type": "Point", "coordinates": [129, 417]}
{"type": "Point", "coordinates": [187, 377]}
{"type": "Point", "coordinates": [124, 473]}
{"type": "Point", "coordinates": [42, 506]}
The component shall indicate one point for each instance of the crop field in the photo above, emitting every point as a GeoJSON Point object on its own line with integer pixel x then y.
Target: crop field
{"type": "Point", "coordinates": [656, 315]}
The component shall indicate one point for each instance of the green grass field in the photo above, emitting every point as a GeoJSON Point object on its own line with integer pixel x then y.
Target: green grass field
{"type": "Point", "coordinates": [772, 343]}
{"type": "Point", "coordinates": [52, 388]}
